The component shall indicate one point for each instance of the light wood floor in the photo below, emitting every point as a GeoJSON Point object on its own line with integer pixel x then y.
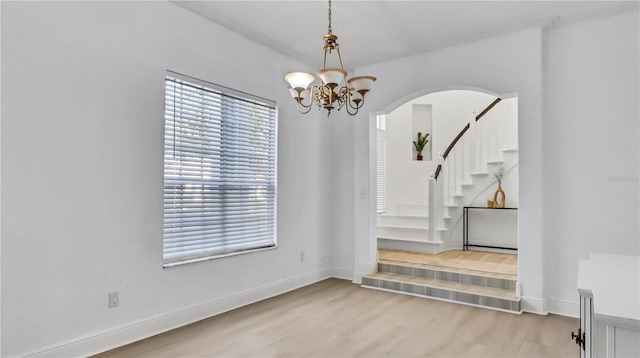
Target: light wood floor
{"type": "Point", "coordinates": [336, 318]}
{"type": "Point", "coordinates": [478, 262]}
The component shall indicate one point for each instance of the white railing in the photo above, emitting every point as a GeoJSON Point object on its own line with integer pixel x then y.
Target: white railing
{"type": "Point", "coordinates": [467, 157]}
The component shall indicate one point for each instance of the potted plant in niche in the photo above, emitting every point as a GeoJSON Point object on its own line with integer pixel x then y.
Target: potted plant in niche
{"type": "Point", "coordinates": [420, 143]}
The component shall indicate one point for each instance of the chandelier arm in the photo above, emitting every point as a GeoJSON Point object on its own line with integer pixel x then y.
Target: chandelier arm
{"type": "Point", "coordinates": [301, 106]}
{"type": "Point", "coordinates": [308, 107]}
{"type": "Point", "coordinates": [304, 105]}
{"type": "Point", "coordinates": [350, 106]}
{"type": "Point", "coordinates": [356, 107]}
{"type": "Point", "coordinates": [349, 112]}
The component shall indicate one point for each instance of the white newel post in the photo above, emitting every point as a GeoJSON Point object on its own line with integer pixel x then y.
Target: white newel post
{"type": "Point", "coordinates": [432, 207]}
{"type": "Point", "coordinates": [459, 169]}
{"type": "Point", "coordinates": [451, 168]}
{"type": "Point", "coordinates": [466, 162]}
{"type": "Point", "coordinates": [475, 143]}
{"type": "Point", "coordinates": [439, 197]}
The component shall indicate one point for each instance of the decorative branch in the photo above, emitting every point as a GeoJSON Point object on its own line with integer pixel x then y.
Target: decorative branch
{"type": "Point", "coordinates": [499, 174]}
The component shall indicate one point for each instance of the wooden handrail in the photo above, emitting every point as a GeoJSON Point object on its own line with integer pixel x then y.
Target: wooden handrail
{"type": "Point", "coordinates": [462, 132]}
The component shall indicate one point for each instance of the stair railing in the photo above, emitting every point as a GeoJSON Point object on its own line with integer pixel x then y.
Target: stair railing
{"type": "Point", "coordinates": [462, 132]}
{"type": "Point", "coordinates": [438, 188]}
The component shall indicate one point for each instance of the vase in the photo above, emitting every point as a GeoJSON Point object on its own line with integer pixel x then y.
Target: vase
{"type": "Point", "coordinates": [496, 203]}
{"type": "Point", "coordinates": [419, 157]}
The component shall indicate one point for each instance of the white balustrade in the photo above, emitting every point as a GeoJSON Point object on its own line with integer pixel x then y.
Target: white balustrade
{"type": "Point", "coordinates": [484, 141]}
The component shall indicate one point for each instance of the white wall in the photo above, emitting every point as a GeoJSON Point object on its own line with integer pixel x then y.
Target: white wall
{"type": "Point", "coordinates": [590, 168]}
{"type": "Point", "coordinates": [578, 189]}
{"type": "Point", "coordinates": [407, 178]}
{"type": "Point", "coordinates": [82, 164]}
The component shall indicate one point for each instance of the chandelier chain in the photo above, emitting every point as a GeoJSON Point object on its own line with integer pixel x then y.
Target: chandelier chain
{"type": "Point", "coordinates": [329, 17]}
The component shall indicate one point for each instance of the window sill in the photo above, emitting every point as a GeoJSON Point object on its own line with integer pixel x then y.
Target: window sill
{"type": "Point", "coordinates": [207, 258]}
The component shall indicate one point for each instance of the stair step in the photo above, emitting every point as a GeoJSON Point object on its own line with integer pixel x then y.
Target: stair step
{"type": "Point", "coordinates": [404, 232]}
{"type": "Point", "coordinates": [408, 227]}
{"type": "Point", "coordinates": [413, 209]}
{"type": "Point", "coordinates": [451, 274]}
{"type": "Point", "coordinates": [422, 245]}
{"type": "Point", "coordinates": [510, 150]}
{"type": "Point", "coordinates": [453, 292]}
{"type": "Point", "coordinates": [403, 220]}
{"type": "Point", "coordinates": [411, 239]}
{"type": "Point", "coordinates": [418, 233]}
{"type": "Point", "coordinates": [479, 174]}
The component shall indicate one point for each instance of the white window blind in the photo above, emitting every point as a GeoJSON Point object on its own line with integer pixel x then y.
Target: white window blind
{"type": "Point", "coordinates": [381, 175]}
{"type": "Point", "coordinates": [219, 171]}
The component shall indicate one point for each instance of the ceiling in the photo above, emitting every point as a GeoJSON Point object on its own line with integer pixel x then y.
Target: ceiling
{"type": "Point", "coordinates": [376, 31]}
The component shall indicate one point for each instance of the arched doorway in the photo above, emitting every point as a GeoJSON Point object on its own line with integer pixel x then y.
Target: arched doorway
{"type": "Point", "coordinates": [421, 204]}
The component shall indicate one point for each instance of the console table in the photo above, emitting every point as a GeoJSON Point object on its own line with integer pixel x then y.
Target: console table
{"type": "Point", "coordinates": [465, 228]}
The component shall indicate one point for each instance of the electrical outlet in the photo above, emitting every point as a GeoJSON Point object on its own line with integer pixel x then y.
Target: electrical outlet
{"type": "Point", "coordinates": [114, 299]}
{"type": "Point", "coordinates": [301, 256]}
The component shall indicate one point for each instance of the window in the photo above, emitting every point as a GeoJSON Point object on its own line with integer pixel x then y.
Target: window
{"type": "Point", "coordinates": [219, 171]}
{"type": "Point", "coordinates": [381, 175]}
{"type": "Point", "coordinates": [381, 164]}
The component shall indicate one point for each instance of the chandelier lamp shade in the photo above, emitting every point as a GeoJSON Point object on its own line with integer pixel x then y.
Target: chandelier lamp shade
{"type": "Point", "coordinates": [334, 90]}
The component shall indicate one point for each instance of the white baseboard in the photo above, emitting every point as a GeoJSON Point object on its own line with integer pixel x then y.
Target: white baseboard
{"type": "Point", "coordinates": [343, 273]}
{"type": "Point", "coordinates": [533, 305]}
{"type": "Point", "coordinates": [546, 306]}
{"type": "Point", "coordinates": [370, 268]}
{"type": "Point", "coordinates": [563, 308]}
{"type": "Point", "coordinates": [448, 245]}
{"type": "Point", "coordinates": [134, 331]}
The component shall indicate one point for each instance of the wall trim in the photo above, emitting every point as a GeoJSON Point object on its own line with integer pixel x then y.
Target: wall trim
{"type": "Point", "coordinates": [533, 305]}
{"type": "Point", "coordinates": [563, 308]}
{"type": "Point", "coordinates": [342, 273]}
{"type": "Point", "coordinates": [118, 336]}
{"type": "Point", "coordinates": [543, 306]}
{"type": "Point", "coordinates": [371, 268]}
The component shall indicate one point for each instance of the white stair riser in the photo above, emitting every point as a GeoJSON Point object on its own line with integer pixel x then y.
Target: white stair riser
{"type": "Point", "coordinates": [398, 220]}
{"type": "Point", "coordinates": [403, 232]}
{"type": "Point", "coordinates": [424, 247]}
{"type": "Point", "coordinates": [408, 209]}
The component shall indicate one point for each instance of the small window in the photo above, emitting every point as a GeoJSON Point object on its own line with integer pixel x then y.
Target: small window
{"type": "Point", "coordinates": [219, 171]}
{"type": "Point", "coordinates": [381, 175]}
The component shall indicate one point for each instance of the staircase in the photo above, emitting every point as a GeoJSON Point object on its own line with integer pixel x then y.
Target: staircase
{"type": "Point", "coordinates": [421, 276]}
{"type": "Point", "coordinates": [462, 176]}
{"type": "Point", "coordinates": [407, 230]}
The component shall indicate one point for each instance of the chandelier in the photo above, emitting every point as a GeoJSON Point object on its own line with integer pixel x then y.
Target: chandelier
{"type": "Point", "coordinates": [334, 90]}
